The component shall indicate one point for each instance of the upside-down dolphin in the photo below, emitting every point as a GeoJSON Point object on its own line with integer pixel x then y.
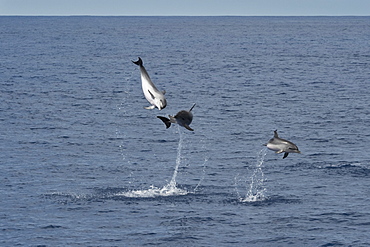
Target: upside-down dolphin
{"type": "Point", "coordinates": [151, 93]}
{"type": "Point", "coordinates": [281, 145]}
{"type": "Point", "coordinates": [182, 118]}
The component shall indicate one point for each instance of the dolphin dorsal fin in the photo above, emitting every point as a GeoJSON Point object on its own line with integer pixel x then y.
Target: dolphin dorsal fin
{"type": "Point", "coordinates": [164, 92]}
{"type": "Point", "coordinates": [192, 107]}
{"type": "Point", "coordinates": [275, 133]}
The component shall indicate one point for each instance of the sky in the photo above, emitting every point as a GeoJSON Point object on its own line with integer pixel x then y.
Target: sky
{"type": "Point", "coordinates": [187, 7]}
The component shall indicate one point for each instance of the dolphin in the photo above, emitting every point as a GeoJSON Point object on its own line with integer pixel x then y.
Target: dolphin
{"type": "Point", "coordinates": [151, 93]}
{"type": "Point", "coordinates": [281, 146]}
{"type": "Point", "coordinates": [182, 118]}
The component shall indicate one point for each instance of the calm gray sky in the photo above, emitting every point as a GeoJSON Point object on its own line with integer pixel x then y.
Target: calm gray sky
{"type": "Point", "coordinates": [186, 7]}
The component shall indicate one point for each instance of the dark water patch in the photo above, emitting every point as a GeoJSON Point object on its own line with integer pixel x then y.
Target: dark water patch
{"type": "Point", "coordinates": [178, 238]}
{"type": "Point", "coordinates": [53, 227]}
{"type": "Point", "coordinates": [187, 221]}
{"type": "Point", "coordinates": [333, 243]}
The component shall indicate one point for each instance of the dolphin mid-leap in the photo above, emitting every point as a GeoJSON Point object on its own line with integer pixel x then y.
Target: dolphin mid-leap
{"type": "Point", "coordinates": [182, 118]}
{"type": "Point", "coordinates": [281, 146]}
{"type": "Point", "coordinates": [152, 94]}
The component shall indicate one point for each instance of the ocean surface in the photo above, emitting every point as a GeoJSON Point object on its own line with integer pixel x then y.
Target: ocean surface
{"type": "Point", "coordinates": [84, 164]}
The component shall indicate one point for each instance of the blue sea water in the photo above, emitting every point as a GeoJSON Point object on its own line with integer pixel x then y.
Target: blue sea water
{"type": "Point", "coordinates": [84, 164]}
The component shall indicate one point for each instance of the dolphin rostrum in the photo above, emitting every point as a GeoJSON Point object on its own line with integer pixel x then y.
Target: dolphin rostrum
{"type": "Point", "coordinates": [151, 93]}
{"type": "Point", "coordinates": [281, 146]}
{"type": "Point", "coordinates": [182, 118]}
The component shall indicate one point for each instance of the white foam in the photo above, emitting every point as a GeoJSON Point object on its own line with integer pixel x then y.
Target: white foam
{"type": "Point", "coordinates": [167, 190]}
{"type": "Point", "coordinates": [257, 197]}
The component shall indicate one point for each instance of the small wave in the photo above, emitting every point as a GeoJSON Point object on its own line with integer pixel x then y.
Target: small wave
{"type": "Point", "coordinates": [52, 227]}
{"type": "Point", "coordinates": [356, 169]}
{"type": "Point", "coordinates": [346, 165]}
{"type": "Point", "coordinates": [67, 198]}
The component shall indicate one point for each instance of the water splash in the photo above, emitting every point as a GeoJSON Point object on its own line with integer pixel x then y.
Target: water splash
{"type": "Point", "coordinates": [256, 190]}
{"type": "Point", "coordinates": [171, 188]}
{"type": "Point", "coordinates": [124, 109]}
{"type": "Point", "coordinates": [203, 174]}
{"type": "Point", "coordinates": [172, 183]}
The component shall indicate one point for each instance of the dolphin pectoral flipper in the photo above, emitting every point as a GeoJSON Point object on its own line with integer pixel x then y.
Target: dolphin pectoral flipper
{"type": "Point", "coordinates": [151, 94]}
{"type": "Point", "coordinates": [188, 127]}
{"type": "Point", "coordinates": [285, 155]}
{"type": "Point", "coordinates": [166, 121]}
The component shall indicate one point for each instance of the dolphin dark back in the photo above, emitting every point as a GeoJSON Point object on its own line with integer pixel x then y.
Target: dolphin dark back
{"type": "Point", "coordinates": [182, 118]}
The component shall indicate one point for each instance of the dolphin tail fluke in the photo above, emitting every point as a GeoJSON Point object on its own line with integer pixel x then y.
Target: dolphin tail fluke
{"type": "Point", "coordinates": [285, 155]}
{"type": "Point", "coordinates": [138, 62]}
{"type": "Point", "coordinates": [165, 120]}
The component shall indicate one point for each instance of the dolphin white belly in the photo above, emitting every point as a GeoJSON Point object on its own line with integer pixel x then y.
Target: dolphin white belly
{"type": "Point", "coordinates": [275, 147]}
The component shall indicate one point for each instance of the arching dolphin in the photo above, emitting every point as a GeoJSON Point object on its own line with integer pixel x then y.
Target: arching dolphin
{"type": "Point", "coordinates": [182, 118]}
{"type": "Point", "coordinates": [152, 94]}
{"type": "Point", "coordinates": [280, 145]}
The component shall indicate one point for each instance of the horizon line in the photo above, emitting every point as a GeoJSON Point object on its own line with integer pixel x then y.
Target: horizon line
{"type": "Point", "coordinates": [87, 15]}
